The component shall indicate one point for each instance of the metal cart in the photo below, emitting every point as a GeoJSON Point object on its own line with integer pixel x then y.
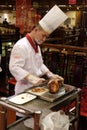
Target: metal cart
{"type": "Point", "coordinates": [37, 106]}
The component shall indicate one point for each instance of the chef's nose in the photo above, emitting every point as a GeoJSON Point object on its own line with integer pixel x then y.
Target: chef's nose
{"type": "Point", "coordinates": [44, 38]}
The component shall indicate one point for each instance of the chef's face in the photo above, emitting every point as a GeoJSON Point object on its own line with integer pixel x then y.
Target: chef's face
{"type": "Point", "coordinates": [40, 36]}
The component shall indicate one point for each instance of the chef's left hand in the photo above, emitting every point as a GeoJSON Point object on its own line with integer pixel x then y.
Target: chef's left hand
{"type": "Point", "coordinates": [55, 76]}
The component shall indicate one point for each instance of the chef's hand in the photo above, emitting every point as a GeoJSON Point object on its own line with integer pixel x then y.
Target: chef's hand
{"type": "Point", "coordinates": [51, 75]}
{"type": "Point", "coordinates": [35, 80]}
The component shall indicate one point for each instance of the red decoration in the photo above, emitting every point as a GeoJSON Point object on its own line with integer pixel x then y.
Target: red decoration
{"type": "Point", "coordinates": [25, 16]}
{"type": "Point", "coordinates": [22, 7]}
{"type": "Point", "coordinates": [72, 1]}
{"type": "Point", "coordinates": [83, 110]}
{"type": "Point", "coordinates": [85, 1]}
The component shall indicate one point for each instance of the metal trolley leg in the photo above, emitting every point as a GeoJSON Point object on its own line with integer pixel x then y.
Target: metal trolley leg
{"type": "Point", "coordinates": [3, 118]}
{"type": "Point", "coordinates": [36, 120]}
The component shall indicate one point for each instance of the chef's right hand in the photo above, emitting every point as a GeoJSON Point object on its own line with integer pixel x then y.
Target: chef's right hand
{"type": "Point", "coordinates": [51, 75]}
{"type": "Point", "coordinates": [35, 80]}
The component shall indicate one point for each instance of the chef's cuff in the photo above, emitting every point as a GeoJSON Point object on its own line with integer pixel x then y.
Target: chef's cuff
{"type": "Point", "coordinates": [44, 69]}
{"type": "Point", "coordinates": [49, 74]}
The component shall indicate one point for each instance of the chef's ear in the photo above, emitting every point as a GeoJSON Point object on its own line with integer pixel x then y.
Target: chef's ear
{"type": "Point", "coordinates": [36, 29]}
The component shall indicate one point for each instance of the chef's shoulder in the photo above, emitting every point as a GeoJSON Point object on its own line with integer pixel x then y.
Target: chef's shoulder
{"type": "Point", "coordinates": [21, 44]}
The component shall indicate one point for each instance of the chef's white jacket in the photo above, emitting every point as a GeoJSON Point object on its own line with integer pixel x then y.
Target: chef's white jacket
{"type": "Point", "coordinates": [23, 61]}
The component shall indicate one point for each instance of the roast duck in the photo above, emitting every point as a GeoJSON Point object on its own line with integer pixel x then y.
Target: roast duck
{"type": "Point", "coordinates": [54, 85]}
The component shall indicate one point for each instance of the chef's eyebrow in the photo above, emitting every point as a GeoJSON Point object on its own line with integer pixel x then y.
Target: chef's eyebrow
{"type": "Point", "coordinates": [45, 35]}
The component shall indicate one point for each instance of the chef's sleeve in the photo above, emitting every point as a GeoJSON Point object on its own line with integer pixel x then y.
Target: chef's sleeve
{"type": "Point", "coordinates": [44, 69]}
{"type": "Point", "coordinates": [17, 62]}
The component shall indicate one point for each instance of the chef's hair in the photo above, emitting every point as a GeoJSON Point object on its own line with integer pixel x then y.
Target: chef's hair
{"type": "Point", "coordinates": [37, 26]}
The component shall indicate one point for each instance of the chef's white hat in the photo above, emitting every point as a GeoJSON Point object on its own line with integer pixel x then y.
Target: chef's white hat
{"type": "Point", "coordinates": [52, 19]}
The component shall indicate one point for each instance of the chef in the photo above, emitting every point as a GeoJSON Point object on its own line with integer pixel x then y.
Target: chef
{"type": "Point", "coordinates": [26, 63]}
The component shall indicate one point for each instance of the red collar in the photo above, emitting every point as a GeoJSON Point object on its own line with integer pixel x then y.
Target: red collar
{"type": "Point", "coordinates": [35, 47]}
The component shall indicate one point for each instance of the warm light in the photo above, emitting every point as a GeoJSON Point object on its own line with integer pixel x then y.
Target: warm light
{"type": "Point", "coordinates": [67, 9]}
{"type": "Point", "coordinates": [10, 5]}
{"type": "Point", "coordinates": [70, 6]}
{"type": "Point", "coordinates": [77, 8]}
{"type": "Point", "coordinates": [5, 15]}
{"type": "Point", "coordinates": [62, 5]}
{"type": "Point", "coordinates": [35, 4]}
{"type": "Point", "coordinates": [9, 43]}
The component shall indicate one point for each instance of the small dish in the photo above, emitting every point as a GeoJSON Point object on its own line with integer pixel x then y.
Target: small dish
{"type": "Point", "coordinates": [38, 90]}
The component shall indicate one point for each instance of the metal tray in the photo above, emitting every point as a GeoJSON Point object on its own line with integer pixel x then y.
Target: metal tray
{"type": "Point", "coordinates": [22, 98]}
{"type": "Point", "coordinates": [66, 89]}
{"type": "Point", "coordinates": [63, 91]}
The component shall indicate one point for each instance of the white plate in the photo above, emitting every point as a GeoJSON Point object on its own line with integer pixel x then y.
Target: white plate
{"type": "Point", "coordinates": [38, 93]}
{"type": "Point", "coordinates": [22, 98]}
